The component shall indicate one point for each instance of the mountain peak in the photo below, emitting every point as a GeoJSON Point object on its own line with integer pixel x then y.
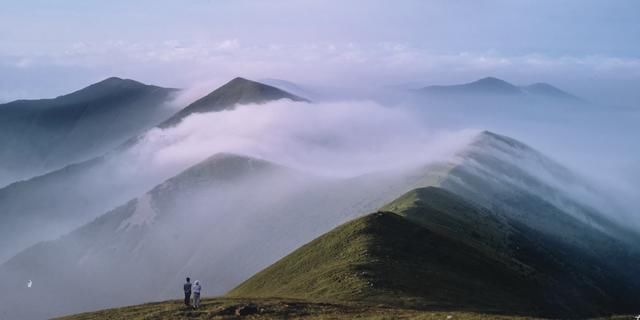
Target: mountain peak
{"type": "Point", "coordinates": [220, 167]}
{"type": "Point", "coordinates": [494, 85]}
{"type": "Point", "coordinates": [491, 80]}
{"type": "Point", "coordinates": [240, 83]}
{"type": "Point", "coordinates": [239, 80]}
{"type": "Point", "coordinates": [237, 91]}
{"type": "Point", "coordinates": [108, 87]}
{"type": "Point", "coordinates": [490, 138]}
{"type": "Point", "coordinates": [488, 85]}
{"type": "Point", "coordinates": [116, 82]}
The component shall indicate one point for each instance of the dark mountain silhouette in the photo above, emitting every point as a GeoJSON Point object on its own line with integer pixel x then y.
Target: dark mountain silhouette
{"type": "Point", "coordinates": [546, 90]}
{"type": "Point", "coordinates": [236, 91]}
{"type": "Point", "coordinates": [42, 135]}
{"type": "Point", "coordinates": [487, 86]}
{"type": "Point", "coordinates": [491, 87]}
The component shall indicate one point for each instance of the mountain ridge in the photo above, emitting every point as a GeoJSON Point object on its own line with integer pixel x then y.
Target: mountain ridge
{"type": "Point", "coordinates": [70, 174]}
{"type": "Point", "coordinates": [46, 134]}
{"type": "Point", "coordinates": [436, 249]}
{"type": "Point", "coordinates": [492, 86]}
{"type": "Point", "coordinates": [377, 258]}
{"type": "Point", "coordinates": [102, 87]}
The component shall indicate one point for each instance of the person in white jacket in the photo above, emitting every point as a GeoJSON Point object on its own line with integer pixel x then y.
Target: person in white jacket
{"type": "Point", "coordinates": [195, 290]}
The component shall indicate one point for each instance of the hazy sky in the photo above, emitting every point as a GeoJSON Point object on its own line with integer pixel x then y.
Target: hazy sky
{"type": "Point", "coordinates": [591, 48]}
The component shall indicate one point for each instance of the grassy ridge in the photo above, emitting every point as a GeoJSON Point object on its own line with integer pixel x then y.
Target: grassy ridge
{"type": "Point", "coordinates": [273, 308]}
{"type": "Point", "coordinates": [385, 258]}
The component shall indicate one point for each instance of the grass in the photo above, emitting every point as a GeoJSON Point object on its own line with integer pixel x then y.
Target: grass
{"type": "Point", "coordinates": [280, 308]}
{"type": "Point", "coordinates": [384, 258]}
{"type": "Point", "coordinates": [273, 308]}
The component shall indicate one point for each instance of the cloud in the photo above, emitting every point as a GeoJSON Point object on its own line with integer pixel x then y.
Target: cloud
{"type": "Point", "coordinates": [333, 139]}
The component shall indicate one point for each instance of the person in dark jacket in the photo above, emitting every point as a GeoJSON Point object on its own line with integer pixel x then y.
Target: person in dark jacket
{"type": "Point", "coordinates": [187, 292]}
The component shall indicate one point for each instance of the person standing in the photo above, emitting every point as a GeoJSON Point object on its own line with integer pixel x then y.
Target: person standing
{"type": "Point", "coordinates": [187, 292]}
{"type": "Point", "coordinates": [196, 294]}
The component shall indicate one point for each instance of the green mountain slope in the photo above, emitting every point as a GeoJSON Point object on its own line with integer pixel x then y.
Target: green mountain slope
{"type": "Point", "coordinates": [387, 258]}
{"type": "Point", "coordinates": [450, 215]}
{"type": "Point", "coordinates": [437, 250]}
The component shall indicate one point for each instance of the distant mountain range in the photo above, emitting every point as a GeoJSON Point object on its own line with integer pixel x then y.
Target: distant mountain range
{"type": "Point", "coordinates": [39, 208]}
{"type": "Point", "coordinates": [41, 135]}
{"type": "Point", "coordinates": [494, 87]}
{"type": "Point", "coordinates": [493, 237]}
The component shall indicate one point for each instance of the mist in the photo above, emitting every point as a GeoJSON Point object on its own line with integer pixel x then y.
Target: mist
{"type": "Point", "coordinates": [222, 195]}
{"type": "Point", "coordinates": [324, 139]}
{"type": "Point", "coordinates": [596, 142]}
{"type": "Point", "coordinates": [312, 167]}
{"type": "Point", "coordinates": [335, 139]}
{"type": "Point", "coordinates": [350, 138]}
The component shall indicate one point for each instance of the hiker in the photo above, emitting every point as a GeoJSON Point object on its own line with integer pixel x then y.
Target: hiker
{"type": "Point", "coordinates": [196, 294]}
{"type": "Point", "coordinates": [187, 292]}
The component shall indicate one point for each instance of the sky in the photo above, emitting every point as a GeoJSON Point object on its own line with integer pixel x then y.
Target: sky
{"type": "Point", "coordinates": [587, 47]}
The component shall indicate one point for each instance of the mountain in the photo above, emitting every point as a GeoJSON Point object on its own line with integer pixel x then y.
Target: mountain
{"type": "Point", "coordinates": [222, 220]}
{"type": "Point", "coordinates": [52, 204]}
{"type": "Point", "coordinates": [230, 216]}
{"type": "Point", "coordinates": [546, 90]}
{"type": "Point", "coordinates": [491, 87]}
{"type": "Point", "coordinates": [487, 86]}
{"type": "Point", "coordinates": [134, 237]}
{"type": "Point", "coordinates": [506, 175]}
{"type": "Point", "coordinates": [291, 87]}
{"type": "Point", "coordinates": [41, 135]}
{"type": "Point", "coordinates": [215, 220]}
{"type": "Point", "coordinates": [236, 91]}
{"type": "Point", "coordinates": [433, 255]}
{"type": "Point", "coordinates": [383, 258]}
{"type": "Point", "coordinates": [438, 251]}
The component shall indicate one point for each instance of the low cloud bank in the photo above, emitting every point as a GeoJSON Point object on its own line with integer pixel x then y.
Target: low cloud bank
{"type": "Point", "coordinates": [333, 139]}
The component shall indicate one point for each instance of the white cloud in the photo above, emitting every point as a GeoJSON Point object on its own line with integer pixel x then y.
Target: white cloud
{"type": "Point", "coordinates": [336, 139]}
{"type": "Point", "coordinates": [228, 44]}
